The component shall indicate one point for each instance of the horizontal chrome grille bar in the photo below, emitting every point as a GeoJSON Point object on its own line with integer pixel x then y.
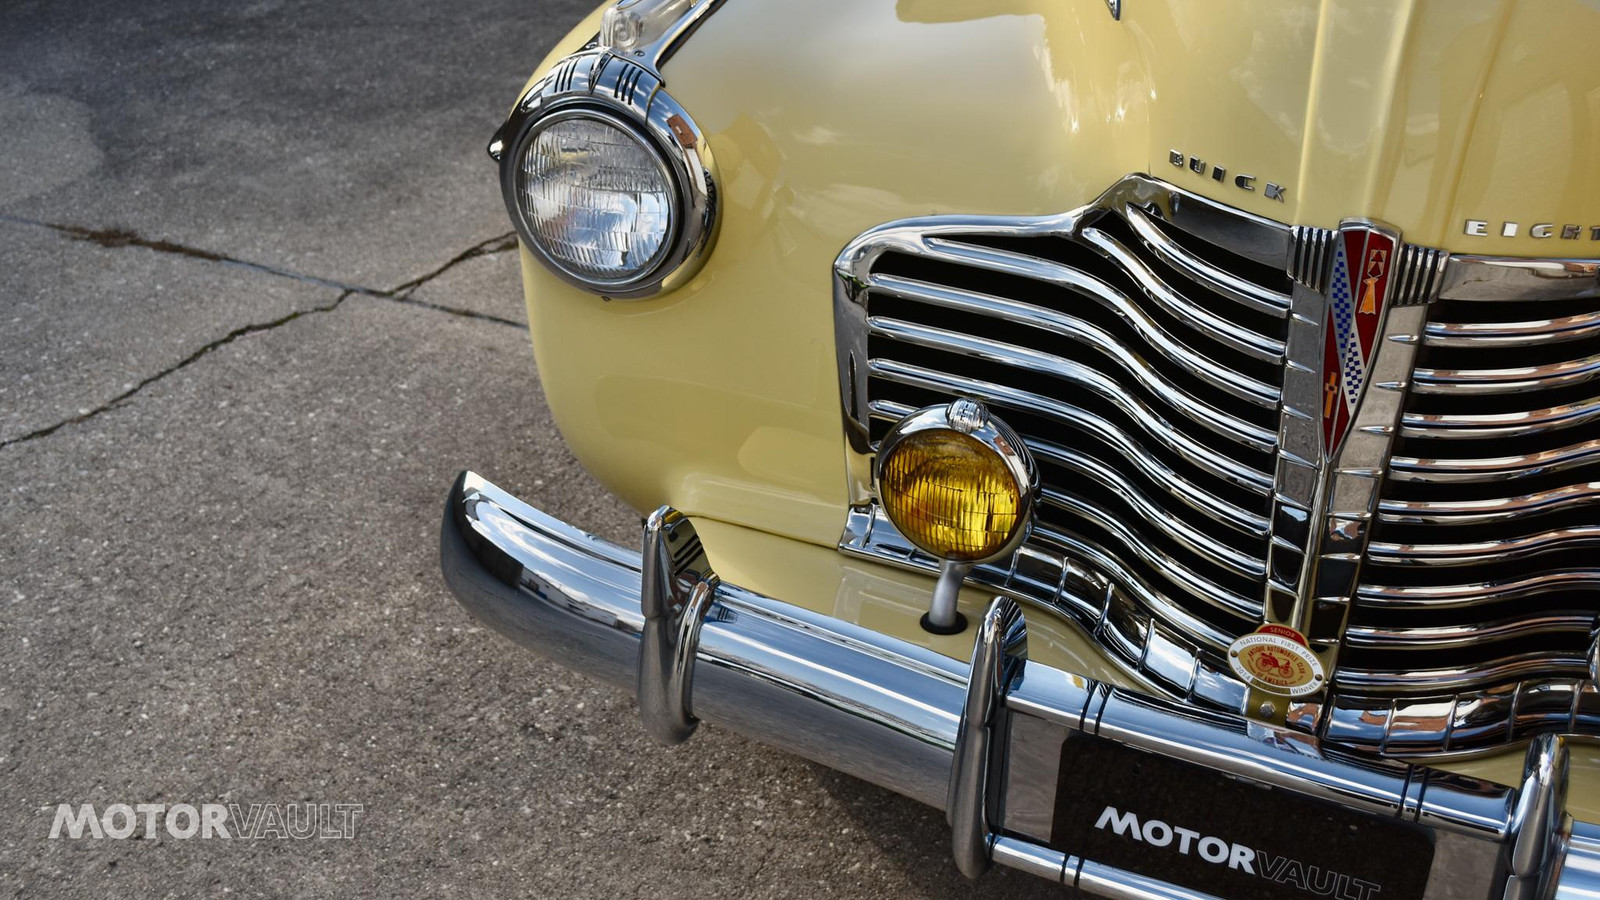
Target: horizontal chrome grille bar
{"type": "Point", "coordinates": [1443, 637]}
{"type": "Point", "coordinates": [1470, 512]}
{"type": "Point", "coordinates": [1481, 593]}
{"type": "Point", "coordinates": [1255, 344]}
{"type": "Point", "coordinates": [1052, 322]}
{"type": "Point", "coordinates": [1499, 280]}
{"type": "Point", "coordinates": [1507, 380]}
{"type": "Point", "coordinates": [1495, 468]}
{"type": "Point", "coordinates": [1467, 553]}
{"type": "Point", "coordinates": [1477, 426]}
{"type": "Point", "coordinates": [1467, 722]}
{"type": "Point", "coordinates": [1536, 333]}
{"type": "Point", "coordinates": [1462, 678]}
{"type": "Point", "coordinates": [1221, 281]}
{"type": "Point", "coordinates": [1209, 505]}
{"type": "Point", "coordinates": [1027, 401]}
{"type": "Point", "coordinates": [1107, 386]}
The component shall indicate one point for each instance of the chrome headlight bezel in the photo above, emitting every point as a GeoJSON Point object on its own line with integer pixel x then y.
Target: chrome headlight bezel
{"type": "Point", "coordinates": [626, 95]}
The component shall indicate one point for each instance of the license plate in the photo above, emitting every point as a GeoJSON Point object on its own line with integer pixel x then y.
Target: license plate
{"type": "Point", "coordinates": [1194, 827]}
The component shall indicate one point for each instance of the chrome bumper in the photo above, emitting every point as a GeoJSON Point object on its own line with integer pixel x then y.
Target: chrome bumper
{"type": "Point", "coordinates": [694, 648]}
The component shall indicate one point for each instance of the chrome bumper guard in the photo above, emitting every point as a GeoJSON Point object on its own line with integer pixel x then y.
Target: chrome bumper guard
{"type": "Point", "coordinates": [982, 742]}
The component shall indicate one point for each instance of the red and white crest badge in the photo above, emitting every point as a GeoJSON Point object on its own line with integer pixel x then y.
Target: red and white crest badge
{"type": "Point", "coordinates": [1357, 290]}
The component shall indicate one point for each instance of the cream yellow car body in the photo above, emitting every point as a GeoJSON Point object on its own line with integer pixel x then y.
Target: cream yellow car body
{"type": "Point", "coordinates": [829, 117]}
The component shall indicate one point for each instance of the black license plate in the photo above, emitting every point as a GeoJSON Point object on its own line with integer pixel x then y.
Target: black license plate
{"type": "Point", "coordinates": [1194, 827]}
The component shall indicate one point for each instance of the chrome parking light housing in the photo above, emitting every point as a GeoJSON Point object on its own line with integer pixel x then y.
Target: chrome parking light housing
{"type": "Point", "coordinates": [971, 420]}
{"type": "Point", "coordinates": [969, 428]}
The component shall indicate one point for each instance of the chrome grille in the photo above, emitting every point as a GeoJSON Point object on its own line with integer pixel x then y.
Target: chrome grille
{"type": "Point", "coordinates": [1143, 366]}
{"type": "Point", "coordinates": [1479, 594]}
{"type": "Point", "coordinates": [1139, 345]}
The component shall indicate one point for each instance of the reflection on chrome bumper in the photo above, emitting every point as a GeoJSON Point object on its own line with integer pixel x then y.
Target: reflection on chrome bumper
{"type": "Point", "coordinates": [989, 752]}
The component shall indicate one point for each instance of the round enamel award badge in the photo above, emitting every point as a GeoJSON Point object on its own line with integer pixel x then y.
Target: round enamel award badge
{"type": "Point", "coordinates": [1278, 660]}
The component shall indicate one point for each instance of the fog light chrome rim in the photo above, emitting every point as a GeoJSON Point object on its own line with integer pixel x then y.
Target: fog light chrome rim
{"type": "Point", "coordinates": [974, 438]}
{"type": "Point", "coordinates": [966, 426]}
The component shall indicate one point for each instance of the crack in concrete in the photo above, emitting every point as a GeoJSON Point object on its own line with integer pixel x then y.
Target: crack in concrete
{"type": "Point", "coordinates": [496, 244]}
{"type": "Point", "coordinates": [451, 310]}
{"type": "Point", "coordinates": [115, 238]}
{"type": "Point", "coordinates": [405, 293]}
{"type": "Point", "coordinates": [148, 380]}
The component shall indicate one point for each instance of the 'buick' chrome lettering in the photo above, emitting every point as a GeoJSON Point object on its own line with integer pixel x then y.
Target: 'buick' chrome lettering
{"type": "Point", "coordinates": [1281, 870]}
{"type": "Point", "coordinates": [1271, 190]}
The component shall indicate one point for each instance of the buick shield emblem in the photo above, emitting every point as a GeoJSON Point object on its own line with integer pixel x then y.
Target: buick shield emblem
{"type": "Point", "coordinates": [1357, 291]}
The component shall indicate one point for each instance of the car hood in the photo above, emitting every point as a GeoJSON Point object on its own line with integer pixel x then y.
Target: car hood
{"type": "Point", "coordinates": [1424, 115]}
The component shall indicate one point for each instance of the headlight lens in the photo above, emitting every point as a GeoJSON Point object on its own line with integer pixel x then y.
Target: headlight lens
{"type": "Point", "coordinates": [596, 198]}
{"type": "Point", "coordinates": [951, 495]}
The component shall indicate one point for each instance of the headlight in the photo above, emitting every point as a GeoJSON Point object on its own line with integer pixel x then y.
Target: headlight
{"type": "Point", "coordinates": [608, 180]}
{"type": "Point", "coordinates": [957, 482]}
{"type": "Point", "coordinates": [597, 199]}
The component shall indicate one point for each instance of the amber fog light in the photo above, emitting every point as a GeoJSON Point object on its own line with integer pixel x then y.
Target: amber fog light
{"type": "Point", "coordinates": [958, 483]}
{"type": "Point", "coordinates": [951, 495]}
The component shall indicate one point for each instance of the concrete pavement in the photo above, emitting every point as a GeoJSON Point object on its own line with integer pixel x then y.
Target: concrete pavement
{"type": "Point", "coordinates": [257, 307]}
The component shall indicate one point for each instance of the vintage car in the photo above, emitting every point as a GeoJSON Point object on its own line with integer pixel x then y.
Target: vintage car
{"type": "Point", "coordinates": [1163, 435]}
